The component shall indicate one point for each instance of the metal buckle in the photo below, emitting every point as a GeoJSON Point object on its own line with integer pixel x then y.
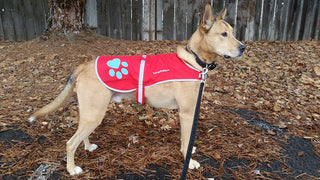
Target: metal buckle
{"type": "Point", "coordinates": [204, 74]}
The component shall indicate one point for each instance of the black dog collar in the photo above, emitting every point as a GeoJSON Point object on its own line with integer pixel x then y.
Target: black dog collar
{"type": "Point", "coordinates": [200, 62]}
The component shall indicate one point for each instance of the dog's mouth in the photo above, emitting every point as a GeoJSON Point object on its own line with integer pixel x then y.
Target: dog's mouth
{"type": "Point", "coordinates": [227, 56]}
{"type": "Point", "coordinates": [239, 55]}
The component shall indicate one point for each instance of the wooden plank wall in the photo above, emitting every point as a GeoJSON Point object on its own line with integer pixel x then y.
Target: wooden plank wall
{"type": "Point", "coordinates": [120, 19]}
{"type": "Point", "coordinates": [173, 20]}
{"type": "Point", "coordinates": [22, 20]}
{"type": "Point", "coordinates": [279, 20]}
{"type": "Point", "coordinates": [252, 19]}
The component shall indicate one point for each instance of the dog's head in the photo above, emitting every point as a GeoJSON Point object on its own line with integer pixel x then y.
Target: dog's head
{"type": "Point", "coordinates": [217, 35]}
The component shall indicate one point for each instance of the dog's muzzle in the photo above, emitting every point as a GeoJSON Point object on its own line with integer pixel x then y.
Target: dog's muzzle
{"type": "Point", "coordinates": [241, 49]}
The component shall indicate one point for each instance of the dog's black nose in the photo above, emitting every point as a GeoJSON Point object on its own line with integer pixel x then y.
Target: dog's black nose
{"type": "Point", "coordinates": [242, 48]}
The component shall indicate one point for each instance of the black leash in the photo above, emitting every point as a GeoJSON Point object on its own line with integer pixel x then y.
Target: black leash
{"type": "Point", "coordinates": [204, 76]}
{"type": "Point", "coordinates": [192, 135]}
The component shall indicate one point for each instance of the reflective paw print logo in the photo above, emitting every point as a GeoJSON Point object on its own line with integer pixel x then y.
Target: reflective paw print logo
{"type": "Point", "coordinates": [116, 71]}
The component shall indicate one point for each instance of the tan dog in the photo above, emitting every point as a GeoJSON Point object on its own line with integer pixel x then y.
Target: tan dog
{"type": "Point", "coordinates": [214, 37]}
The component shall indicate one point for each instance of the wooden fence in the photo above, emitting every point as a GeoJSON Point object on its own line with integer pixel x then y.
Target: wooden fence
{"type": "Point", "coordinates": [170, 19]}
{"type": "Point", "coordinates": [22, 20]}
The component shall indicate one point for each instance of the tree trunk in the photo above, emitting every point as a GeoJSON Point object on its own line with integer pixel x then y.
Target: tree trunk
{"type": "Point", "coordinates": [66, 16]}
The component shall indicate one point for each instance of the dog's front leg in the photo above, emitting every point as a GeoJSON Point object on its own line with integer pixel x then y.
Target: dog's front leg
{"type": "Point", "coordinates": [186, 120]}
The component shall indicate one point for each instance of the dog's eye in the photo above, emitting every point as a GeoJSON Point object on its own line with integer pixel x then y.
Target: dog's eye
{"type": "Point", "coordinates": [225, 34]}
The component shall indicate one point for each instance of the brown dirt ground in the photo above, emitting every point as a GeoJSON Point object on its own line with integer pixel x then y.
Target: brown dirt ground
{"type": "Point", "coordinates": [279, 81]}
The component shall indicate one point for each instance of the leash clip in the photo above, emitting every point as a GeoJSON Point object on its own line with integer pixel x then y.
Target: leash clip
{"type": "Point", "coordinates": [204, 74]}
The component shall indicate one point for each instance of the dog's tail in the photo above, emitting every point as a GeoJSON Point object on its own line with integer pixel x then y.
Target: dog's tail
{"type": "Point", "coordinates": [61, 98]}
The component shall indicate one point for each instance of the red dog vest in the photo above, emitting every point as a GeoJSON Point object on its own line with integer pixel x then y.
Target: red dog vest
{"type": "Point", "coordinates": [134, 73]}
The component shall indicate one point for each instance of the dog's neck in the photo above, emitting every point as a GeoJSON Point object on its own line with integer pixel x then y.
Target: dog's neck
{"type": "Point", "coordinates": [198, 47]}
{"type": "Point", "coordinates": [202, 63]}
{"type": "Point", "coordinates": [187, 57]}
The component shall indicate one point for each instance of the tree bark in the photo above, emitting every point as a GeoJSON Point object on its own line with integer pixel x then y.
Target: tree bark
{"type": "Point", "coordinates": [66, 16]}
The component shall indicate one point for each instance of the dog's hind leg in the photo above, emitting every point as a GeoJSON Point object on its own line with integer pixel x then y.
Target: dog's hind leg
{"type": "Point", "coordinates": [88, 146]}
{"type": "Point", "coordinates": [93, 102]}
{"type": "Point", "coordinates": [72, 145]}
{"type": "Point", "coordinates": [84, 130]}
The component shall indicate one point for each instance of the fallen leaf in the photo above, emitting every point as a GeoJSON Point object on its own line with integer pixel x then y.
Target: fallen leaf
{"type": "Point", "coordinates": [301, 153]}
{"type": "Point", "coordinates": [276, 108]}
{"type": "Point", "coordinates": [134, 139]}
{"type": "Point", "coordinates": [317, 70]}
{"type": "Point", "coordinates": [271, 132]}
{"type": "Point", "coordinates": [216, 156]}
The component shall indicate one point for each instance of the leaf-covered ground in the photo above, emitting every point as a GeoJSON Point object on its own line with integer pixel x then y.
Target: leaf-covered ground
{"type": "Point", "coordinates": [259, 117]}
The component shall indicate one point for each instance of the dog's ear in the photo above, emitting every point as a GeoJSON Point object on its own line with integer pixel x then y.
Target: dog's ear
{"type": "Point", "coordinates": [222, 14]}
{"type": "Point", "coordinates": [207, 18]}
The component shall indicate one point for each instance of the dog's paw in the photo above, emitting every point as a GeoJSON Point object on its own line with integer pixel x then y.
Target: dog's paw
{"type": "Point", "coordinates": [76, 170]}
{"type": "Point", "coordinates": [194, 164]}
{"type": "Point", "coordinates": [92, 147]}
